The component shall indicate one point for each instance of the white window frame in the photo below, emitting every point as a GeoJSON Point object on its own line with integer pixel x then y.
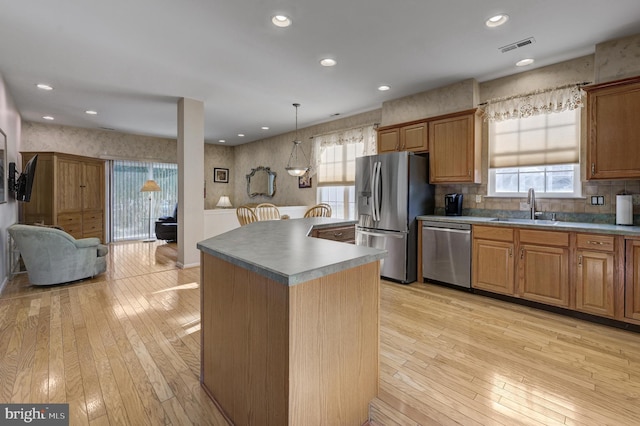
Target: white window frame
{"type": "Point", "coordinates": [576, 193]}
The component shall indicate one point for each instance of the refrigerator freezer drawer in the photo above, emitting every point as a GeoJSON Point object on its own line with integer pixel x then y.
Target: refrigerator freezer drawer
{"type": "Point", "coordinates": [394, 265]}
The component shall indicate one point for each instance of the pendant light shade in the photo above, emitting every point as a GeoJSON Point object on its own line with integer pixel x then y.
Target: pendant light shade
{"type": "Point", "coordinates": [296, 165]}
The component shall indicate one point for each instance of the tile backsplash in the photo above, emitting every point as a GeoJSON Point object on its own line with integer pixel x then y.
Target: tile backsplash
{"type": "Point", "coordinates": [569, 209]}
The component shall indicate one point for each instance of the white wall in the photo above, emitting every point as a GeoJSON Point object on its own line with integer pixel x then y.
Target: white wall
{"type": "Point", "coordinates": [10, 123]}
{"type": "Point", "coordinates": [219, 221]}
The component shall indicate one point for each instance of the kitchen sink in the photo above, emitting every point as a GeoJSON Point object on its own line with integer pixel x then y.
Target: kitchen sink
{"type": "Point", "coordinates": [525, 221]}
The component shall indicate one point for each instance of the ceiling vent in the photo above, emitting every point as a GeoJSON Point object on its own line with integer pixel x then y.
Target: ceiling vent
{"type": "Point", "coordinates": [517, 44]}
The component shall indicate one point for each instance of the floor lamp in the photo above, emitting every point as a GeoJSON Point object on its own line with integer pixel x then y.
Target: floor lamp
{"type": "Point", "coordinates": [150, 186]}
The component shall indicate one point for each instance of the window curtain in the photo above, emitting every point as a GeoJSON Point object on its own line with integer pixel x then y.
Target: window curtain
{"type": "Point", "coordinates": [536, 129]}
{"type": "Point", "coordinates": [542, 102]}
{"type": "Point", "coordinates": [366, 136]}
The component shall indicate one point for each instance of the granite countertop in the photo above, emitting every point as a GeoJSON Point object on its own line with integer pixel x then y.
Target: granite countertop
{"type": "Point", "coordinates": [548, 225]}
{"type": "Point", "coordinates": [283, 251]}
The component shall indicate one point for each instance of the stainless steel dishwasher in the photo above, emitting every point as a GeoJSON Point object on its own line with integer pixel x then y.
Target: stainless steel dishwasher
{"type": "Point", "coordinates": [446, 252]}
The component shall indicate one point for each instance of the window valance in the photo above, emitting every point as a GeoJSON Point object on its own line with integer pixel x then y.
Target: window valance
{"type": "Point", "coordinates": [365, 135]}
{"type": "Point", "coordinates": [559, 99]}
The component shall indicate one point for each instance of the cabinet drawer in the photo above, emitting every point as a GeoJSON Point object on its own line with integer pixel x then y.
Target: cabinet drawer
{"type": "Point", "coordinates": [547, 238]}
{"type": "Point", "coordinates": [344, 234]}
{"type": "Point", "coordinates": [69, 219]}
{"type": "Point", "coordinates": [91, 227]}
{"type": "Point", "coordinates": [92, 216]}
{"type": "Point", "coordinates": [595, 242]}
{"type": "Point", "coordinates": [495, 233]}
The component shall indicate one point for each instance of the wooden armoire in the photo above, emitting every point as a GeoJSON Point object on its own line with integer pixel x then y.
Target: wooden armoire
{"type": "Point", "coordinates": [68, 191]}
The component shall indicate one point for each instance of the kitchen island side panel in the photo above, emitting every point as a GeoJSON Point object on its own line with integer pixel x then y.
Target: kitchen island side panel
{"type": "Point", "coordinates": [334, 324]}
{"type": "Point", "coordinates": [244, 343]}
{"type": "Point", "coordinates": [290, 355]}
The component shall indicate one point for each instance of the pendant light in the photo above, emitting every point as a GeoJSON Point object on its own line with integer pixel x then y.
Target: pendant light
{"type": "Point", "coordinates": [295, 166]}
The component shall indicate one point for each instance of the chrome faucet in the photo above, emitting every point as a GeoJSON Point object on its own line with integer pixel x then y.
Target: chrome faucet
{"type": "Point", "coordinates": [531, 200]}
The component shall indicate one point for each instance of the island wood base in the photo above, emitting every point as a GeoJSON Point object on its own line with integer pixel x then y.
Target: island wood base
{"type": "Point", "coordinates": [274, 354]}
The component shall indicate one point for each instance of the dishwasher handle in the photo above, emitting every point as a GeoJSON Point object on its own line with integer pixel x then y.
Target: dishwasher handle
{"type": "Point", "coordinates": [453, 231]}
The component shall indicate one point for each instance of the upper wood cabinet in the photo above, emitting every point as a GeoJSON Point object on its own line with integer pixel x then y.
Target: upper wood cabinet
{"type": "Point", "coordinates": [68, 191]}
{"type": "Point", "coordinates": [613, 127]}
{"type": "Point", "coordinates": [455, 148]}
{"type": "Point", "coordinates": [406, 137]}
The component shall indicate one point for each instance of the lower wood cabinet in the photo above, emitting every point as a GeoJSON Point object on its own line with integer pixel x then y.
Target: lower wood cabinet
{"type": "Point", "coordinates": [544, 274]}
{"type": "Point", "coordinates": [632, 280]}
{"type": "Point", "coordinates": [493, 259]}
{"type": "Point", "coordinates": [595, 279]}
{"type": "Point", "coordinates": [345, 234]}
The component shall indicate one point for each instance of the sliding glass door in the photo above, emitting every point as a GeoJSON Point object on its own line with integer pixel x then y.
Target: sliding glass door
{"type": "Point", "coordinates": [130, 208]}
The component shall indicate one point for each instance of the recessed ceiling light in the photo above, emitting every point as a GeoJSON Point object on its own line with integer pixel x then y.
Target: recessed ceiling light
{"type": "Point", "coordinates": [43, 86]}
{"type": "Point", "coordinates": [241, 135]}
{"type": "Point", "coordinates": [328, 62]}
{"type": "Point", "coordinates": [48, 117]}
{"type": "Point", "coordinates": [281, 21]}
{"type": "Point", "coordinates": [264, 128]}
{"type": "Point", "coordinates": [222, 141]}
{"type": "Point", "coordinates": [497, 20]}
{"type": "Point", "coordinates": [384, 88]}
{"type": "Point", "coordinates": [524, 62]}
{"type": "Point", "coordinates": [91, 112]}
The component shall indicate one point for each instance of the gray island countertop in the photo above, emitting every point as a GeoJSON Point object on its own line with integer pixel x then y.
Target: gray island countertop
{"type": "Point", "coordinates": [283, 251]}
{"type": "Point", "coordinates": [548, 225]}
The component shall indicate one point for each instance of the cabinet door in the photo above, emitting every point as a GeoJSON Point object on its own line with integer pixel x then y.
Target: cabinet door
{"type": "Point", "coordinates": [92, 186]}
{"type": "Point", "coordinates": [493, 266]}
{"type": "Point", "coordinates": [594, 283]}
{"type": "Point", "coordinates": [544, 274]}
{"type": "Point", "coordinates": [414, 138]}
{"type": "Point", "coordinates": [454, 155]}
{"type": "Point", "coordinates": [69, 185]}
{"type": "Point", "coordinates": [632, 280]}
{"type": "Point", "coordinates": [614, 151]}
{"type": "Point", "coordinates": [388, 140]}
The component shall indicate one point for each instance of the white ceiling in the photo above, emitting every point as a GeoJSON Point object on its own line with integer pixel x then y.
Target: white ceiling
{"type": "Point", "coordinates": [131, 60]}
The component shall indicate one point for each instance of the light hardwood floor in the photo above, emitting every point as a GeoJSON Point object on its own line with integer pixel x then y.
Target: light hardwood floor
{"type": "Point", "coordinates": [124, 349]}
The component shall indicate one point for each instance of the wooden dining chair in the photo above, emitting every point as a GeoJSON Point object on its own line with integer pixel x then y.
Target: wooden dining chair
{"type": "Point", "coordinates": [319, 210]}
{"type": "Point", "coordinates": [246, 215]}
{"type": "Point", "coordinates": [267, 211]}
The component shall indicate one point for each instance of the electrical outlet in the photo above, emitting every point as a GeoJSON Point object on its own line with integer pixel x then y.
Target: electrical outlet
{"type": "Point", "coordinates": [478, 198]}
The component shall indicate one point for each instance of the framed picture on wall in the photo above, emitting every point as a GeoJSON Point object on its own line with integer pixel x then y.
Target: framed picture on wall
{"type": "Point", "coordinates": [304, 181]}
{"type": "Point", "coordinates": [220, 175]}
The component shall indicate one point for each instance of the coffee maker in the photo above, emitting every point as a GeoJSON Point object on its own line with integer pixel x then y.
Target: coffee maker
{"type": "Point", "coordinates": [453, 204]}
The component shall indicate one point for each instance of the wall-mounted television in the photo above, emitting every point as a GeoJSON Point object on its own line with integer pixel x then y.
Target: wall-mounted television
{"type": "Point", "coordinates": [23, 185]}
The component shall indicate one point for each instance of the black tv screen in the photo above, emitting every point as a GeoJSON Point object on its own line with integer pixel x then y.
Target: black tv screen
{"type": "Point", "coordinates": [25, 181]}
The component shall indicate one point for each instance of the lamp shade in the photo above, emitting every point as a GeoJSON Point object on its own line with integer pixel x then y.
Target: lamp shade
{"type": "Point", "coordinates": [150, 186]}
{"type": "Point", "coordinates": [224, 202]}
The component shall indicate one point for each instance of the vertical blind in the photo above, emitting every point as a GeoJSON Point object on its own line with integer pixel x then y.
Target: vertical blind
{"type": "Point", "coordinates": [130, 207]}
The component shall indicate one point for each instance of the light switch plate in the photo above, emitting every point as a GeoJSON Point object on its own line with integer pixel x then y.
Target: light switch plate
{"type": "Point", "coordinates": [478, 198]}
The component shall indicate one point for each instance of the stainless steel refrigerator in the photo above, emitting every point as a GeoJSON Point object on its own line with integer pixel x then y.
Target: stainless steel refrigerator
{"type": "Point", "coordinates": [391, 190]}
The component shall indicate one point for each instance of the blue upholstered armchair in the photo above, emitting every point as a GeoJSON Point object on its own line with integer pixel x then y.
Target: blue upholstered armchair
{"type": "Point", "coordinates": [52, 256]}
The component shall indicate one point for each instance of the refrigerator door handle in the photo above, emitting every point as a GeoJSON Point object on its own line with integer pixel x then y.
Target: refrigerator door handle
{"type": "Point", "coordinates": [381, 234]}
{"type": "Point", "coordinates": [374, 190]}
{"type": "Point", "coordinates": [377, 185]}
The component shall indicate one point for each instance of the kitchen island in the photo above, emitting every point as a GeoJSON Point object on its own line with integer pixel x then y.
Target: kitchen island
{"type": "Point", "coordinates": [289, 324]}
